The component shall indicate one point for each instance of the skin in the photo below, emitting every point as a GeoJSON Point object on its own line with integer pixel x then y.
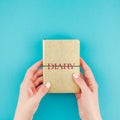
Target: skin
{"type": "Point", "coordinates": [31, 93]}
{"type": "Point", "coordinates": [32, 90]}
{"type": "Point", "coordinates": [87, 98]}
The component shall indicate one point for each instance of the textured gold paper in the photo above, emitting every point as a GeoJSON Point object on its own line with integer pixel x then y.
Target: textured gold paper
{"type": "Point", "coordinates": [60, 52]}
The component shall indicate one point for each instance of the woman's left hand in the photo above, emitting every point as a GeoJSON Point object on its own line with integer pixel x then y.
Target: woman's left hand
{"type": "Point", "coordinates": [31, 92]}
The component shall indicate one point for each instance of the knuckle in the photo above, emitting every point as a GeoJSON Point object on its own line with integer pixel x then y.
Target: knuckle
{"type": "Point", "coordinates": [29, 72]}
{"type": "Point", "coordinates": [37, 73]}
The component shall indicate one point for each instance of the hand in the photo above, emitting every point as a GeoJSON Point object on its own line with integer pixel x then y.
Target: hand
{"type": "Point", "coordinates": [31, 92]}
{"type": "Point", "coordinates": [87, 98]}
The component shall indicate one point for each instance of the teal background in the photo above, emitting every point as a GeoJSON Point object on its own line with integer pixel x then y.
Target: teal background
{"type": "Point", "coordinates": [23, 25]}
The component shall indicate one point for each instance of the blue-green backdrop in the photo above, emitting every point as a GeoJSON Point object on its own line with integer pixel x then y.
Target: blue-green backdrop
{"type": "Point", "coordinates": [23, 25]}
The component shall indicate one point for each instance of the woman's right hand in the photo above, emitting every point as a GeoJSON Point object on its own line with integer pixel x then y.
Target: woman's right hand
{"type": "Point", "coordinates": [87, 98]}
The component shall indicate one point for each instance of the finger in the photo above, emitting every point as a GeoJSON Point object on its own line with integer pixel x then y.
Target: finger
{"type": "Point", "coordinates": [42, 91]}
{"type": "Point", "coordinates": [35, 67]}
{"type": "Point", "coordinates": [86, 68]}
{"type": "Point", "coordinates": [80, 82]}
{"type": "Point", "coordinates": [82, 76]}
{"type": "Point", "coordinates": [86, 81]}
{"type": "Point", "coordinates": [38, 81]}
{"type": "Point", "coordinates": [38, 87]}
{"type": "Point", "coordinates": [32, 89]}
{"type": "Point", "coordinates": [88, 75]}
{"type": "Point", "coordinates": [37, 74]}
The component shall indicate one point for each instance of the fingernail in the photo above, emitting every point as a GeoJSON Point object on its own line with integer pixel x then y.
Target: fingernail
{"type": "Point", "coordinates": [48, 84]}
{"type": "Point", "coordinates": [75, 75]}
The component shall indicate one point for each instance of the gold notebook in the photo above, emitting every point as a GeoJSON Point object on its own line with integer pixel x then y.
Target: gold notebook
{"type": "Point", "coordinates": [61, 58]}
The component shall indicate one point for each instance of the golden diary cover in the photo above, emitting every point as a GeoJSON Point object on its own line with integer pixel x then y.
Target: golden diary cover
{"type": "Point", "coordinates": [61, 58]}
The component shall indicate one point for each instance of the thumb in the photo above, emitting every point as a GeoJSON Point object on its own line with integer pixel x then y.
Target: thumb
{"type": "Point", "coordinates": [42, 91]}
{"type": "Point", "coordinates": [80, 82]}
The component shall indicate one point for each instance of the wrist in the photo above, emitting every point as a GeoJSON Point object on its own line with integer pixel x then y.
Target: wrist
{"type": "Point", "coordinates": [95, 117]}
{"type": "Point", "coordinates": [91, 116]}
{"type": "Point", "coordinates": [22, 115]}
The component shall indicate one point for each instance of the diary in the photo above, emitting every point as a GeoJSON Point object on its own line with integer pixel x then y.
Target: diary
{"type": "Point", "coordinates": [61, 58]}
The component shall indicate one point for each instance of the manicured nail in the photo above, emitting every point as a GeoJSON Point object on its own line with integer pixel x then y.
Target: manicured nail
{"type": "Point", "coordinates": [48, 84]}
{"type": "Point", "coordinates": [75, 75]}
